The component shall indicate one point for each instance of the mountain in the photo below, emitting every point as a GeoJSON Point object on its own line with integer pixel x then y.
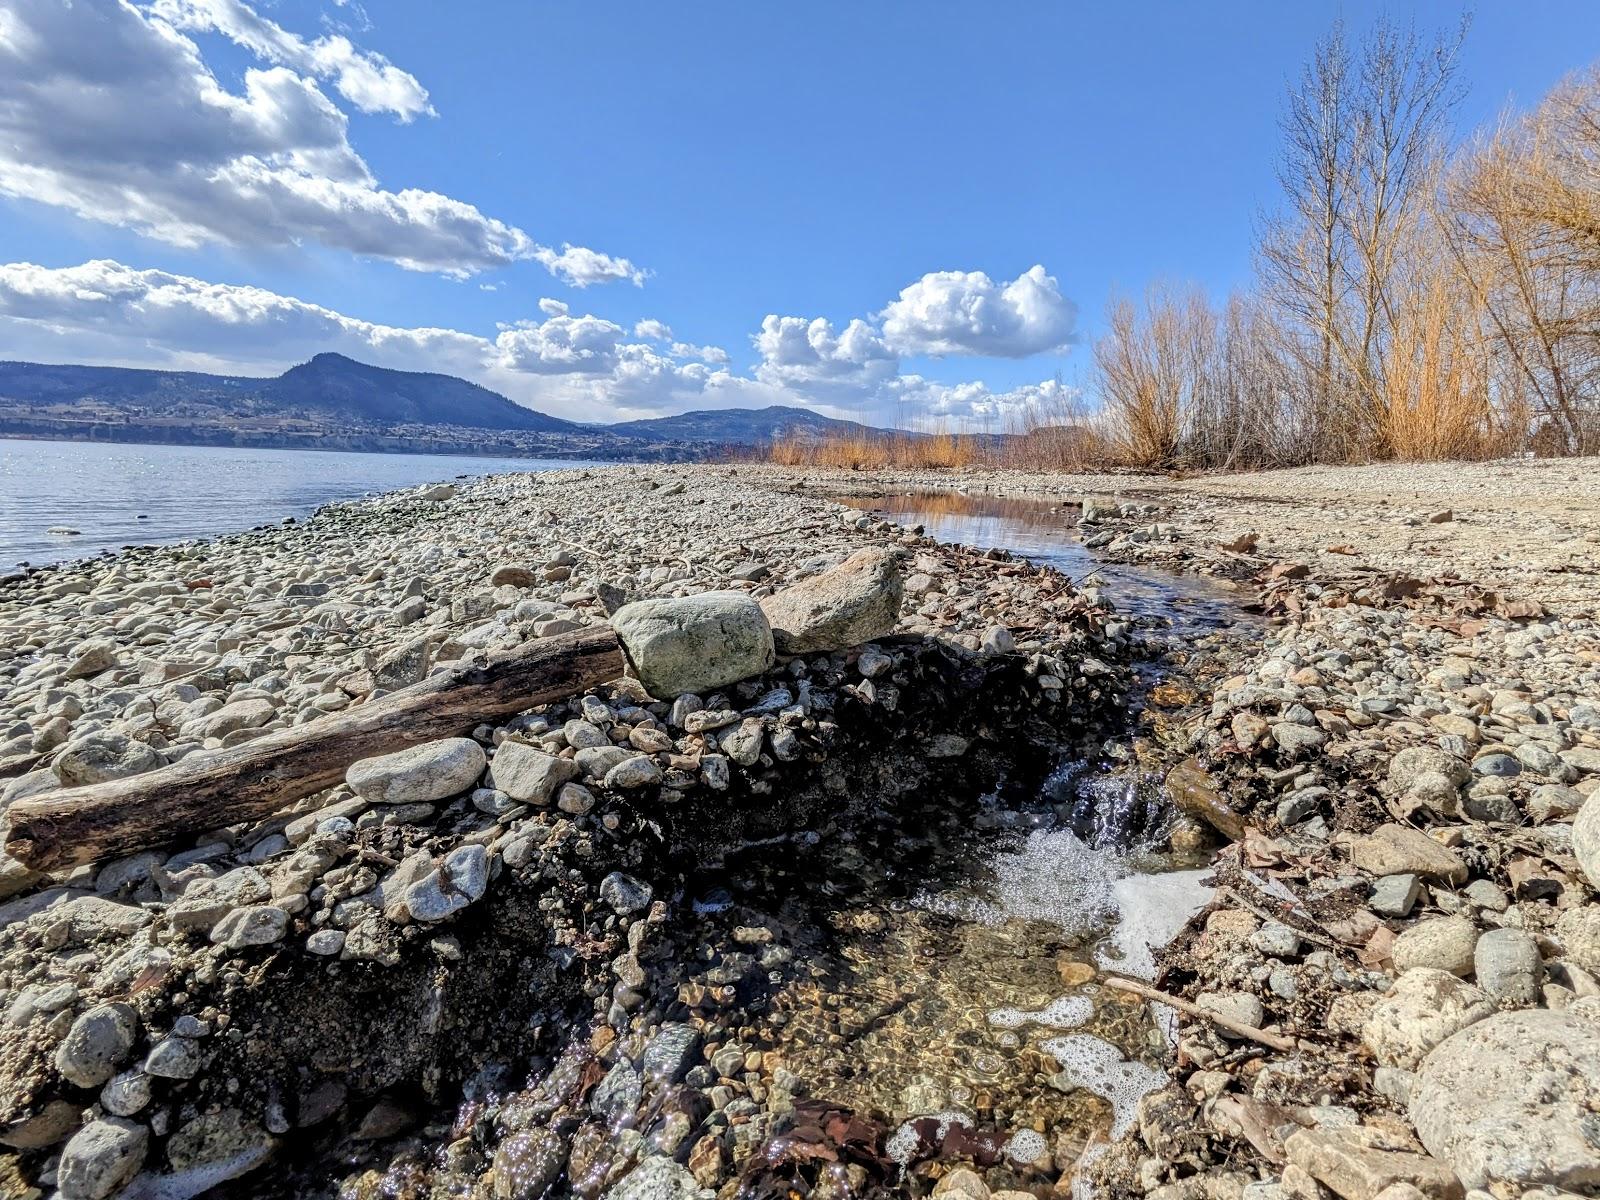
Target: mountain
{"type": "Point", "coordinates": [330, 385]}
{"type": "Point", "coordinates": [744, 426]}
{"type": "Point", "coordinates": [335, 402]}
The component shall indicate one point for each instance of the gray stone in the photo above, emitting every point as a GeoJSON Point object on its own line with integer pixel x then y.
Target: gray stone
{"type": "Point", "coordinates": [528, 774]}
{"type": "Point", "coordinates": [174, 1058]}
{"type": "Point", "coordinates": [255, 925]}
{"type": "Point", "coordinates": [624, 893]}
{"type": "Point", "coordinates": [694, 643]}
{"type": "Point", "coordinates": [1295, 739]}
{"type": "Point", "coordinates": [1486, 894]}
{"type": "Point", "coordinates": [101, 1157]}
{"type": "Point", "coordinates": [597, 760]}
{"type": "Point", "coordinates": [639, 771]}
{"type": "Point", "coordinates": [1395, 895]}
{"type": "Point", "coordinates": [420, 774]}
{"type": "Point", "coordinates": [1512, 1101]}
{"type": "Point", "coordinates": [618, 1093]}
{"type": "Point", "coordinates": [1357, 1165]}
{"type": "Point", "coordinates": [855, 602]}
{"type": "Point", "coordinates": [527, 1164]}
{"type": "Point", "coordinates": [459, 880]}
{"type": "Point", "coordinates": [97, 757]}
{"type": "Point", "coordinates": [97, 1044]}
{"type": "Point", "coordinates": [1235, 1006]}
{"type": "Point", "coordinates": [1410, 764]}
{"type": "Point", "coordinates": [1422, 1008]}
{"type": "Point", "coordinates": [1508, 966]}
{"type": "Point", "coordinates": [126, 1094]}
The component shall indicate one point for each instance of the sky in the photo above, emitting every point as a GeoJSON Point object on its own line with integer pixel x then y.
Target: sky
{"type": "Point", "coordinates": [908, 213]}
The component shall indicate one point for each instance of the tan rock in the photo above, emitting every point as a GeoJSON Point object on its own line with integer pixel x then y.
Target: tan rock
{"type": "Point", "coordinates": [1354, 1164]}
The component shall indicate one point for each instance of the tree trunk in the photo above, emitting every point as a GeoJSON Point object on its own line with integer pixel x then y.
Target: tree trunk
{"type": "Point", "coordinates": [210, 789]}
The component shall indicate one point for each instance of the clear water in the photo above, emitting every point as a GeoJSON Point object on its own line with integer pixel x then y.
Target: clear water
{"type": "Point", "coordinates": [118, 495]}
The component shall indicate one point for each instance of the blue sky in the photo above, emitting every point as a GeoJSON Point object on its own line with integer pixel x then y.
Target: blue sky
{"type": "Point", "coordinates": [743, 161]}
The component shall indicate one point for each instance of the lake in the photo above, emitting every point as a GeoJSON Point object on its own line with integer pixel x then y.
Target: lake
{"type": "Point", "coordinates": [118, 494]}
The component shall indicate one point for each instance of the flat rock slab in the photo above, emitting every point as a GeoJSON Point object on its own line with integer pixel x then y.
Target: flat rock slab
{"type": "Point", "coordinates": [1514, 1099]}
{"type": "Point", "coordinates": [855, 602]}
{"type": "Point", "coordinates": [1399, 849]}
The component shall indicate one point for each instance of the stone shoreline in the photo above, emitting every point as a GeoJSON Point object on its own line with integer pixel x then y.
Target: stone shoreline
{"type": "Point", "coordinates": [1408, 901]}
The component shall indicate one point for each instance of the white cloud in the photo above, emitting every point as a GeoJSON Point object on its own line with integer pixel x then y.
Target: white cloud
{"type": "Point", "coordinates": [709, 354]}
{"type": "Point", "coordinates": [561, 345]}
{"type": "Point", "coordinates": [652, 330]}
{"type": "Point", "coordinates": [554, 308]}
{"type": "Point", "coordinates": [369, 81]}
{"type": "Point", "coordinates": [976, 403]}
{"type": "Point", "coordinates": [109, 111]}
{"type": "Point", "coordinates": [580, 267]}
{"type": "Point", "coordinates": [966, 312]}
{"type": "Point", "coordinates": [815, 361]}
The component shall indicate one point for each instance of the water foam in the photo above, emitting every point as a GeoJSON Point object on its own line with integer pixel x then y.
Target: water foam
{"type": "Point", "coordinates": [1064, 1012]}
{"type": "Point", "coordinates": [1097, 1066]}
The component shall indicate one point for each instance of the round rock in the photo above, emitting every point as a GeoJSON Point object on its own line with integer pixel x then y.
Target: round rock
{"type": "Point", "coordinates": [101, 1158]}
{"type": "Point", "coordinates": [694, 643]}
{"type": "Point", "coordinates": [419, 775]}
{"type": "Point", "coordinates": [97, 1044]}
{"type": "Point", "coordinates": [1512, 1100]}
{"type": "Point", "coordinates": [1443, 943]}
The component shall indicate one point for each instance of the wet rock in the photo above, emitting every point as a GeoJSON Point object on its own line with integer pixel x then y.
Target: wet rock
{"type": "Point", "coordinates": [420, 774]}
{"type": "Point", "coordinates": [530, 775]}
{"type": "Point", "coordinates": [101, 1157]}
{"type": "Point", "coordinates": [657, 1179]}
{"type": "Point", "coordinates": [1512, 1101]}
{"type": "Point", "coordinates": [1423, 1008]}
{"type": "Point", "coordinates": [694, 643]}
{"type": "Point", "coordinates": [1356, 1166]}
{"type": "Point", "coordinates": [217, 1146]}
{"type": "Point", "coordinates": [97, 1044]}
{"type": "Point", "coordinates": [527, 1164]}
{"type": "Point", "coordinates": [1442, 943]}
{"type": "Point", "coordinates": [671, 1052]}
{"type": "Point", "coordinates": [1508, 966]}
{"type": "Point", "coordinates": [855, 602]}
{"type": "Point", "coordinates": [1399, 849]}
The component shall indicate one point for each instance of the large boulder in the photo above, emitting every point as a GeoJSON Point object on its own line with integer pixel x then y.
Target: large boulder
{"type": "Point", "coordinates": [1586, 838]}
{"type": "Point", "coordinates": [694, 643]}
{"type": "Point", "coordinates": [1423, 1008]}
{"type": "Point", "coordinates": [855, 602]}
{"type": "Point", "coordinates": [1512, 1100]}
{"type": "Point", "coordinates": [419, 774]}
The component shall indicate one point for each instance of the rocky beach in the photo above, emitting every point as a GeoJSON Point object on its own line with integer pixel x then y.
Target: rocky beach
{"type": "Point", "coordinates": [672, 935]}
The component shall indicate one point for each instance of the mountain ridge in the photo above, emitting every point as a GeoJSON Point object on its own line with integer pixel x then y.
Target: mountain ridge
{"type": "Point", "coordinates": [334, 387]}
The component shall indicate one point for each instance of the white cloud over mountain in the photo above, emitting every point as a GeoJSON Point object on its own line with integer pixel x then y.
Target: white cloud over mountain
{"type": "Point", "coordinates": [108, 110]}
{"type": "Point", "coordinates": [575, 365]}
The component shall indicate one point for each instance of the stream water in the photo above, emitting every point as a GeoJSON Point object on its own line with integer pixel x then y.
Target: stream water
{"type": "Point", "coordinates": [948, 969]}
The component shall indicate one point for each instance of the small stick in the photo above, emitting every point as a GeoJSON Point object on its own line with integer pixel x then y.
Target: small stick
{"type": "Point", "coordinates": [1267, 914]}
{"type": "Point", "coordinates": [1288, 1045]}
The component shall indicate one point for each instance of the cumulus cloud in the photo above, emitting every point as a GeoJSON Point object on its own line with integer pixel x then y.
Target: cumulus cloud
{"type": "Point", "coordinates": [580, 267]}
{"type": "Point", "coordinates": [369, 81]}
{"type": "Point", "coordinates": [652, 330]}
{"type": "Point", "coordinates": [108, 110]}
{"type": "Point", "coordinates": [976, 403]}
{"type": "Point", "coordinates": [966, 312]}
{"type": "Point", "coordinates": [811, 358]}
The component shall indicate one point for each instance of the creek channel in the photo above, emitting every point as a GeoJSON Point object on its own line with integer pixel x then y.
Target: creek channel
{"type": "Point", "coordinates": [949, 969]}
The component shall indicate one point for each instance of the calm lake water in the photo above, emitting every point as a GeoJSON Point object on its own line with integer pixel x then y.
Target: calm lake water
{"type": "Point", "coordinates": [116, 495]}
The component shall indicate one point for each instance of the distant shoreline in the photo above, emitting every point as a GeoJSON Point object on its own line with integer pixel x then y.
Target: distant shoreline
{"type": "Point", "coordinates": [492, 446]}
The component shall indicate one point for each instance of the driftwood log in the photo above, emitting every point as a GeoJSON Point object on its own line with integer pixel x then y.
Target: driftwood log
{"type": "Point", "coordinates": [210, 789]}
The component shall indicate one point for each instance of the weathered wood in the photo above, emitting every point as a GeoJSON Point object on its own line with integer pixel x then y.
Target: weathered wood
{"type": "Point", "coordinates": [210, 789]}
{"type": "Point", "coordinates": [1194, 1010]}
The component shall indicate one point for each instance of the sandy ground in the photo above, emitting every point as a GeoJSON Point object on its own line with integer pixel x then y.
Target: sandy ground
{"type": "Point", "coordinates": [1527, 528]}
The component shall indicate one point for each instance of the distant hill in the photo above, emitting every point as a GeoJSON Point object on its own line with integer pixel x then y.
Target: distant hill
{"type": "Point", "coordinates": [744, 426]}
{"type": "Point", "coordinates": [335, 402]}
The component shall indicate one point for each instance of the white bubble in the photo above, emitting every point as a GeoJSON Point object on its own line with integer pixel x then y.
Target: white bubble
{"type": "Point", "coordinates": [1064, 1012]}
{"type": "Point", "coordinates": [1026, 1146]}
